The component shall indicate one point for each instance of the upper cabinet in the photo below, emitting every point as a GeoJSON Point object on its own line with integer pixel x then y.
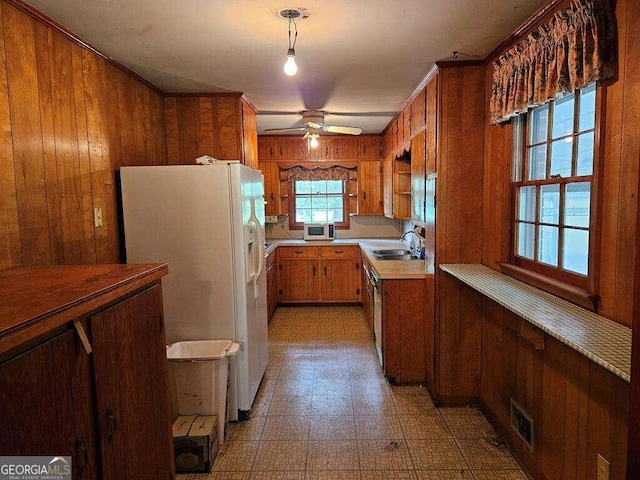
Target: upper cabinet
{"type": "Point", "coordinates": [222, 126]}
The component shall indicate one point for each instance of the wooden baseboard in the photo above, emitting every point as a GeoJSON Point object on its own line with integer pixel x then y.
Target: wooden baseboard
{"type": "Point", "coordinates": [454, 401]}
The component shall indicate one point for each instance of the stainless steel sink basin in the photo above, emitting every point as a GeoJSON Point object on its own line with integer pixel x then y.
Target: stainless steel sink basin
{"type": "Point", "coordinates": [394, 255]}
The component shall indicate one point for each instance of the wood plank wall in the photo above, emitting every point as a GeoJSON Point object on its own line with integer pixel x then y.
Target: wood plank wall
{"type": "Point", "coordinates": [459, 229]}
{"type": "Point", "coordinates": [68, 120]}
{"type": "Point", "coordinates": [619, 180]}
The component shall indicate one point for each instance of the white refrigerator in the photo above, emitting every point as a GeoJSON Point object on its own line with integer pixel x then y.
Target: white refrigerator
{"type": "Point", "coordinates": [207, 223]}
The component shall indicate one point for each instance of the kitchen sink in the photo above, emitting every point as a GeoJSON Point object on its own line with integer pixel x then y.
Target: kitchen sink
{"type": "Point", "coordinates": [394, 255]}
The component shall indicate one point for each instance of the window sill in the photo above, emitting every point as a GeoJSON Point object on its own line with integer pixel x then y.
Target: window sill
{"type": "Point", "coordinates": [567, 292]}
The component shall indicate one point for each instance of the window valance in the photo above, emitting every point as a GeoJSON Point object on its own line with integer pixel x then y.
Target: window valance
{"type": "Point", "coordinates": [576, 47]}
{"type": "Point", "coordinates": [334, 172]}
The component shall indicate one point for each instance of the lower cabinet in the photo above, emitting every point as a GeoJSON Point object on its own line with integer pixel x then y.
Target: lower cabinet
{"type": "Point", "coordinates": [107, 409]}
{"type": "Point", "coordinates": [319, 274]}
{"type": "Point", "coordinates": [404, 330]}
{"type": "Point", "coordinates": [272, 283]}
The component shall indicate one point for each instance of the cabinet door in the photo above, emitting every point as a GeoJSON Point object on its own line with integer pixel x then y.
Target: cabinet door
{"type": "Point", "coordinates": [267, 148]}
{"type": "Point", "coordinates": [46, 404]}
{"type": "Point", "coordinates": [249, 136]}
{"type": "Point", "coordinates": [417, 111]}
{"type": "Point", "coordinates": [431, 99]}
{"type": "Point", "coordinates": [131, 389]}
{"type": "Point", "coordinates": [271, 175]}
{"type": "Point", "coordinates": [341, 279]}
{"type": "Point", "coordinates": [418, 178]}
{"type": "Point", "coordinates": [345, 147]}
{"type": "Point", "coordinates": [272, 284]}
{"type": "Point", "coordinates": [298, 280]}
{"type": "Point", "coordinates": [369, 148]}
{"type": "Point", "coordinates": [388, 186]}
{"type": "Point", "coordinates": [370, 188]}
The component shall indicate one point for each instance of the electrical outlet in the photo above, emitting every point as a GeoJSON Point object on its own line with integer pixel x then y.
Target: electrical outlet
{"type": "Point", "coordinates": [97, 217]}
{"type": "Point", "coordinates": [603, 468]}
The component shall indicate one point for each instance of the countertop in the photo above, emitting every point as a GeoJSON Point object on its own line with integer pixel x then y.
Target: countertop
{"type": "Point", "coordinates": [605, 342]}
{"type": "Point", "coordinates": [386, 269]}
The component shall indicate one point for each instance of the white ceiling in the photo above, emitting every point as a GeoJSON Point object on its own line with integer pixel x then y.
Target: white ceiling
{"type": "Point", "coordinates": [356, 56]}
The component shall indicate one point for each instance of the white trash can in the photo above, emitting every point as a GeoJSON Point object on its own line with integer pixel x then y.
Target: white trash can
{"type": "Point", "coordinates": [200, 373]}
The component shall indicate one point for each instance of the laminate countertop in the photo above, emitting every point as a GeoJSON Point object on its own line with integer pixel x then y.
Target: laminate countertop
{"type": "Point", "coordinates": [386, 269]}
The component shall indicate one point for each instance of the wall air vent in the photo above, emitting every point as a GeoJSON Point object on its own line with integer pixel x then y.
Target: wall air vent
{"type": "Point", "coordinates": [522, 424]}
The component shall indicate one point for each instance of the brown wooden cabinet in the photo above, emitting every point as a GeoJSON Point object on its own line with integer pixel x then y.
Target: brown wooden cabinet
{"type": "Point", "coordinates": [387, 181]}
{"type": "Point", "coordinates": [272, 283]}
{"type": "Point", "coordinates": [319, 274]}
{"type": "Point", "coordinates": [418, 178]}
{"type": "Point", "coordinates": [370, 188]}
{"type": "Point", "coordinates": [271, 174]}
{"type": "Point", "coordinates": [404, 329]}
{"type": "Point", "coordinates": [57, 399]}
{"type": "Point", "coordinates": [367, 292]}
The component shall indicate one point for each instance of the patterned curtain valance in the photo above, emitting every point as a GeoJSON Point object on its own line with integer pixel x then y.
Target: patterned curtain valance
{"type": "Point", "coordinates": [319, 173]}
{"type": "Point", "coordinates": [576, 47]}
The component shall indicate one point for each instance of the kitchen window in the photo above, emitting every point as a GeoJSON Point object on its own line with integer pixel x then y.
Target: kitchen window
{"type": "Point", "coordinates": [554, 192]}
{"type": "Point", "coordinates": [320, 201]}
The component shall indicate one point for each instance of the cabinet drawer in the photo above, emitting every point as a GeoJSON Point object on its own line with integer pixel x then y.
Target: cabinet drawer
{"type": "Point", "coordinates": [339, 252]}
{"type": "Point", "coordinates": [298, 252]}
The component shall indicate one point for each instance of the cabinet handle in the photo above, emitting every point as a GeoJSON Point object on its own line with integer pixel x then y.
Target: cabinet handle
{"type": "Point", "coordinates": [113, 423]}
{"type": "Point", "coordinates": [298, 252]}
{"type": "Point", "coordinates": [272, 197]}
{"type": "Point", "coordinates": [338, 251]}
{"type": "Point", "coordinates": [357, 266]}
{"type": "Point", "coordinates": [325, 271]}
{"type": "Point", "coordinates": [314, 271]}
{"type": "Point", "coordinates": [364, 195]}
{"type": "Point", "coordinates": [80, 447]}
{"type": "Point", "coordinates": [280, 150]}
{"type": "Point", "coordinates": [271, 151]}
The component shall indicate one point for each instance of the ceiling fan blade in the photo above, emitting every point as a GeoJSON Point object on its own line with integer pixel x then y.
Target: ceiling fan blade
{"type": "Point", "coordinates": [345, 130]}
{"type": "Point", "coordinates": [315, 125]}
{"type": "Point", "coordinates": [293, 129]}
{"type": "Point", "coordinates": [306, 135]}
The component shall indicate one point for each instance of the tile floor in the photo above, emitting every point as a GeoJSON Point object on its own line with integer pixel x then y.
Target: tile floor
{"type": "Point", "coordinates": [325, 412]}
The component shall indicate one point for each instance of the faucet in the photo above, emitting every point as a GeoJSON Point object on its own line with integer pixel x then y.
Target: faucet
{"type": "Point", "coordinates": [407, 233]}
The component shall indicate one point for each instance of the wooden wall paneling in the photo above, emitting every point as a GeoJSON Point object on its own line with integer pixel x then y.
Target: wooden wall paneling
{"type": "Point", "coordinates": [204, 127]}
{"type": "Point", "coordinates": [599, 429]}
{"type": "Point", "coordinates": [172, 129]}
{"type": "Point", "coordinates": [67, 158]}
{"type": "Point", "coordinates": [431, 115]}
{"type": "Point", "coordinates": [551, 424]}
{"type": "Point", "coordinates": [44, 54]}
{"type": "Point", "coordinates": [125, 133]}
{"type": "Point", "coordinates": [418, 111]}
{"type": "Point", "coordinates": [187, 110]}
{"type": "Point", "coordinates": [619, 433]}
{"type": "Point", "coordinates": [83, 156]}
{"type": "Point", "coordinates": [249, 136]}
{"type": "Point", "coordinates": [19, 37]}
{"type": "Point", "coordinates": [227, 127]}
{"type": "Point", "coordinates": [572, 414]}
{"type": "Point", "coordinates": [10, 253]}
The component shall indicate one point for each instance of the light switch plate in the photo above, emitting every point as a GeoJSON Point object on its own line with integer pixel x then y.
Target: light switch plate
{"type": "Point", "coordinates": [97, 217]}
{"type": "Point", "coordinates": [271, 219]}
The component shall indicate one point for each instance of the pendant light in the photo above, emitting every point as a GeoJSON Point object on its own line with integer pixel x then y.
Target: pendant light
{"type": "Point", "coordinates": [290, 67]}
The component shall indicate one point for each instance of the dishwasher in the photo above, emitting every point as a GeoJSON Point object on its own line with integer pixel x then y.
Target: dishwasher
{"type": "Point", "coordinates": [374, 279]}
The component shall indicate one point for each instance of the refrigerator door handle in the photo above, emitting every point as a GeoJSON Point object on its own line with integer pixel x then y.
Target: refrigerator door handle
{"type": "Point", "coordinates": [263, 249]}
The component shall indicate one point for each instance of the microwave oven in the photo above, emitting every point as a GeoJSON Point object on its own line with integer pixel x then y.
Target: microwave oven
{"type": "Point", "coordinates": [319, 231]}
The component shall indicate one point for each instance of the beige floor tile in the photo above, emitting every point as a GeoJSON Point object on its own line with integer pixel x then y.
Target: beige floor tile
{"type": "Point", "coordinates": [332, 427]}
{"type": "Point", "coordinates": [378, 427]}
{"type": "Point", "coordinates": [373, 405]}
{"type": "Point", "coordinates": [444, 475]}
{"type": "Point", "coordinates": [290, 405]}
{"type": "Point", "coordinates": [436, 454]}
{"type": "Point", "coordinates": [294, 386]}
{"type": "Point", "coordinates": [459, 411]}
{"type": "Point", "coordinates": [236, 456]}
{"type": "Point", "coordinates": [248, 430]}
{"type": "Point", "coordinates": [331, 387]}
{"type": "Point", "coordinates": [481, 455]}
{"type": "Point", "coordinates": [223, 476]}
{"type": "Point", "coordinates": [500, 475]}
{"type": "Point", "coordinates": [333, 455]}
{"type": "Point", "coordinates": [385, 454]}
{"type": "Point", "coordinates": [424, 426]}
{"type": "Point", "coordinates": [274, 475]}
{"type": "Point", "coordinates": [286, 427]}
{"type": "Point", "coordinates": [261, 403]}
{"type": "Point", "coordinates": [281, 455]}
{"type": "Point", "coordinates": [469, 426]}
{"type": "Point", "coordinates": [328, 404]}
{"type": "Point", "coordinates": [333, 475]}
{"type": "Point", "coordinates": [332, 371]}
{"type": "Point", "coordinates": [370, 387]}
{"type": "Point", "coordinates": [389, 475]}
{"type": "Point", "coordinates": [407, 404]}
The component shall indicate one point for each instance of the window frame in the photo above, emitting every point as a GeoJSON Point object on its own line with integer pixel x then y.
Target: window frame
{"type": "Point", "coordinates": [295, 225]}
{"type": "Point", "coordinates": [572, 286]}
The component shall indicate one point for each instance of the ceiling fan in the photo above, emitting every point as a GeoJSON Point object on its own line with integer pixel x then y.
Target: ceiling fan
{"type": "Point", "coordinates": [314, 121]}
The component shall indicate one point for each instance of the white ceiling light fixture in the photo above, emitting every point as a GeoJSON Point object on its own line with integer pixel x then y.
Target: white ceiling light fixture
{"type": "Point", "coordinates": [292, 15]}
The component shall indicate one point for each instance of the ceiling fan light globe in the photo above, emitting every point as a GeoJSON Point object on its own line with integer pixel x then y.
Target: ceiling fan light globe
{"type": "Point", "coordinates": [314, 142]}
{"type": "Point", "coordinates": [290, 67]}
